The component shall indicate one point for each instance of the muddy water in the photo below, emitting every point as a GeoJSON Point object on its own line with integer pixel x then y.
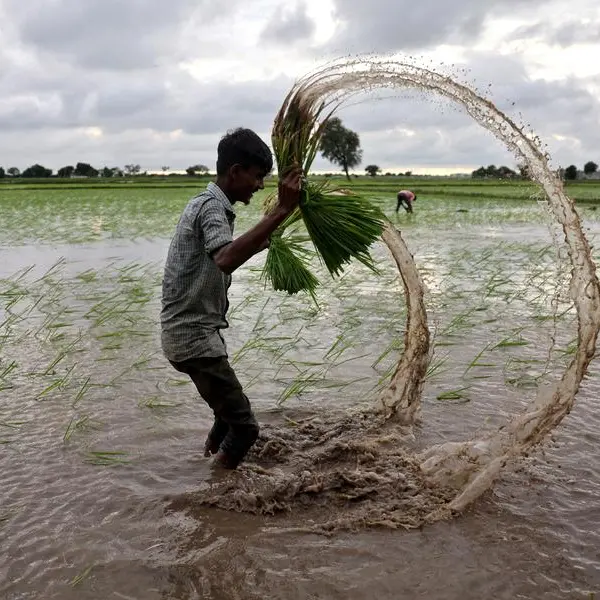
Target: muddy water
{"type": "Point", "coordinates": [75, 529]}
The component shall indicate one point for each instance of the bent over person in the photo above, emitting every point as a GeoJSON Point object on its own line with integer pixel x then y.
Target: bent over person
{"type": "Point", "coordinates": [202, 256]}
{"type": "Point", "coordinates": [405, 198]}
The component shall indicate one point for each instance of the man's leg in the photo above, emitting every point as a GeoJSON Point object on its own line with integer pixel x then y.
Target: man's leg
{"type": "Point", "coordinates": [235, 429]}
{"type": "Point", "coordinates": [398, 203]}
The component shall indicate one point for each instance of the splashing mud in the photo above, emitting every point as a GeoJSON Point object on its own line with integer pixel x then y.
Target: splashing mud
{"type": "Point", "coordinates": [357, 471]}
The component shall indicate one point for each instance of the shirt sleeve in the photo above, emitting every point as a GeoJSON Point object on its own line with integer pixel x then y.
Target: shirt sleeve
{"type": "Point", "coordinates": [212, 223]}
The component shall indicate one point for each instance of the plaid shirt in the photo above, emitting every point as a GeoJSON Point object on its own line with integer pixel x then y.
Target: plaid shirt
{"type": "Point", "coordinates": [194, 289]}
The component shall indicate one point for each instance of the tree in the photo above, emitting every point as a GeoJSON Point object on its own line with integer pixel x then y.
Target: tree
{"type": "Point", "coordinates": [372, 170]}
{"type": "Point", "coordinates": [197, 170]}
{"type": "Point", "coordinates": [2, 173]}
{"type": "Point", "coordinates": [165, 169]}
{"type": "Point", "coordinates": [66, 171]}
{"type": "Point", "coordinates": [571, 173]}
{"type": "Point", "coordinates": [590, 168]}
{"type": "Point", "coordinates": [85, 170]}
{"type": "Point", "coordinates": [36, 171]}
{"type": "Point", "coordinates": [14, 172]}
{"type": "Point", "coordinates": [505, 172]}
{"type": "Point", "coordinates": [132, 169]}
{"type": "Point", "coordinates": [107, 172]}
{"type": "Point", "coordinates": [479, 173]}
{"type": "Point", "coordinates": [340, 146]}
{"type": "Point", "coordinates": [524, 171]}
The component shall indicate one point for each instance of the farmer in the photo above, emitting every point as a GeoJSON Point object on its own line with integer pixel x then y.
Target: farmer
{"type": "Point", "coordinates": [405, 198]}
{"type": "Point", "coordinates": [197, 275]}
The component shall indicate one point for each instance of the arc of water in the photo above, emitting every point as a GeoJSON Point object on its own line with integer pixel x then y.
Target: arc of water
{"type": "Point", "coordinates": [472, 466]}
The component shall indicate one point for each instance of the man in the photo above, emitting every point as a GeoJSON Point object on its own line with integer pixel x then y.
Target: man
{"type": "Point", "coordinates": [197, 276]}
{"type": "Point", "coordinates": [405, 198]}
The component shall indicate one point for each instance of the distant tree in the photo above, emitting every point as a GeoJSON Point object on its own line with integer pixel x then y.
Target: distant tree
{"type": "Point", "coordinates": [505, 172]}
{"type": "Point", "coordinates": [165, 169]}
{"type": "Point", "coordinates": [66, 171]}
{"type": "Point", "coordinates": [571, 173]}
{"type": "Point", "coordinates": [524, 171]}
{"type": "Point", "coordinates": [36, 171]}
{"type": "Point", "coordinates": [372, 170]}
{"type": "Point", "coordinates": [117, 172]}
{"type": "Point", "coordinates": [107, 172]}
{"type": "Point", "coordinates": [14, 172]}
{"type": "Point", "coordinates": [408, 174]}
{"type": "Point", "coordinates": [85, 170]}
{"type": "Point", "coordinates": [340, 146]}
{"type": "Point", "coordinates": [197, 170]}
{"type": "Point", "coordinates": [479, 173]}
{"type": "Point", "coordinates": [2, 173]}
{"type": "Point", "coordinates": [132, 169]}
{"type": "Point", "coordinates": [590, 168]}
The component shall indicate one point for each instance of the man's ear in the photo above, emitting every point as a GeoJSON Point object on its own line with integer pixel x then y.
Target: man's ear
{"type": "Point", "coordinates": [235, 171]}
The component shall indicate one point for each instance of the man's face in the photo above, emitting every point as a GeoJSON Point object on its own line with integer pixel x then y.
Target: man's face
{"type": "Point", "coordinates": [246, 182]}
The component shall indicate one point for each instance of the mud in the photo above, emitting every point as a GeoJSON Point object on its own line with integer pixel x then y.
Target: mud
{"type": "Point", "coordinates": [334, 474]}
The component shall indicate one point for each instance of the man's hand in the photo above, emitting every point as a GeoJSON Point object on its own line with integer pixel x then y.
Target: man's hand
{"type": "Point", "coordinates": [289, 190]}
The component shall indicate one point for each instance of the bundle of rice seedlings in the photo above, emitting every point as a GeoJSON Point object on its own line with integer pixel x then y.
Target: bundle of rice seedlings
{"type": "Point", "coordinates": [340, 227]}
{"type": "Point", "coordinates": [286, 265]}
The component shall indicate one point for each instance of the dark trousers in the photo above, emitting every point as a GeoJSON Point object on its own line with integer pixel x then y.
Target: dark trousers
{"type": "Point", "coordinates": [235, 428]}
{"type": "Point", "coordinates": [402, 201]}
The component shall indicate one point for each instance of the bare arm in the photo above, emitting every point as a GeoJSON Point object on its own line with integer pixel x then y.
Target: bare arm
{"type": "Point", "coordinates": [233, 255]}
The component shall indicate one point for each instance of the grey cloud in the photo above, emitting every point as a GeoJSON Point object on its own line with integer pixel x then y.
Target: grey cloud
{"type": "Point", "coordinates": [289, 26]}
{"type": "Point", "coordinates": [563, 35]}
{"type": "Point", "coordinates": [445, 134]}
{"type": "Point", "coordinates": [108, 34]}
{"type": "Point", "coordinates": [404, 25]}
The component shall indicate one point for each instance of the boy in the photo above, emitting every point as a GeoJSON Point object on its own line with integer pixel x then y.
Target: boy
{"type": "Point", "coordinates": [197, 276]}
{"type": "Point", "coordinates": [405, 198]}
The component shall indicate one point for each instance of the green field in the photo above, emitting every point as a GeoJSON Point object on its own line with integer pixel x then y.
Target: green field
{"type": "Point", "coordinates": [77, 211]}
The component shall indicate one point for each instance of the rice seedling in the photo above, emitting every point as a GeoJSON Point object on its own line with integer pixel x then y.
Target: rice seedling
{"type": "Point", "coordinates": [457, 395]}
{"type": "Point", "coordinates": [436, 367]}
{"type": "Point", "coordinates": [82, 576]}
{"type": "Point", "coordinates": [341, 227]}
{"type": "Point", "coordinates": [79, 424]}
{"type": "Point", "coordinates": [81, 393]}
{"type": "Point", "coordinates": [155, 402]}
{"type": "Point", "coordinates": [107, 458]}
{"type": "Point", "coordinates": [12, 424]}
{"type": "Point", "coordinates": [286, 265]}
{"type": "Point", "coordinates": [476, 362]}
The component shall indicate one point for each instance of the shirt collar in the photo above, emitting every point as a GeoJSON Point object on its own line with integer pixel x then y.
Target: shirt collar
{"type": "Point", "coordinates": [218, 193]}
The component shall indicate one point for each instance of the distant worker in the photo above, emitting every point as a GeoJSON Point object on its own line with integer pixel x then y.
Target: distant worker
{"type": "Point", "coordinates": [405, 199]}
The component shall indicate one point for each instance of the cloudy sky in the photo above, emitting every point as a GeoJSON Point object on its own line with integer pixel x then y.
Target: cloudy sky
{"type": "Point", "coordinates": [157, 82]}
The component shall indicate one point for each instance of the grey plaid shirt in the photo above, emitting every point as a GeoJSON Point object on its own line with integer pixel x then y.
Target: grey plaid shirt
{"type": "Point", "coordinates": [194, 289]}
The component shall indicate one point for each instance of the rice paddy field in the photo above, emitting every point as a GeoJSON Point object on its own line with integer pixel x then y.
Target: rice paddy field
{"type": "Point", "coordinates": [96, 428]}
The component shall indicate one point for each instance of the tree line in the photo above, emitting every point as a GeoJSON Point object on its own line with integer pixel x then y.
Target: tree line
{"type": "Point", "coordinates": [86, 170]}
{"type": "Point", "coordinates": [570, 173]}
{"type": "Point", "coordinates": [339, 145]}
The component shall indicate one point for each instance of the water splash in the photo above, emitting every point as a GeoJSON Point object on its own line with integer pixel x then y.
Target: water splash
{"type": "Point", "coordinates": [468, 468]}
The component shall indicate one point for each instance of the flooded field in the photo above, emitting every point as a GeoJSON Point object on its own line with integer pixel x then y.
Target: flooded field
{"type": "Point", "coordinates": [101, 441]}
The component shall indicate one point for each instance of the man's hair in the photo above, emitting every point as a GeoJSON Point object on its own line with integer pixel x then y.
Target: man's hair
{"type": "Point", "coordinates": [244, 147]}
